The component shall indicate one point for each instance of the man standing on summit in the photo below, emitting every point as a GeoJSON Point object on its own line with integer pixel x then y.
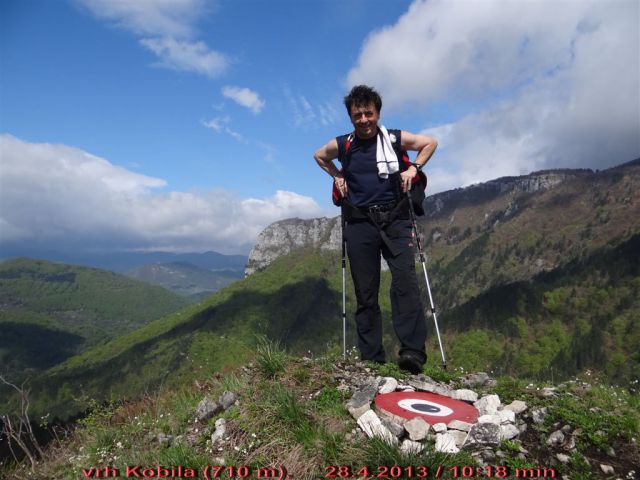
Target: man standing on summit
{"type": "Point", "coordinates": [373, 185]}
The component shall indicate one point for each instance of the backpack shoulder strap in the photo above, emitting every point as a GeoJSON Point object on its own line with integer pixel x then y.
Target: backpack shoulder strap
{"type": "Point", "coordinates": [344, 147]}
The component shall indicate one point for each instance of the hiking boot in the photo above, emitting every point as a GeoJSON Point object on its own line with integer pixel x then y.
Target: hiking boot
{"type": "Point", "coordinates": [410, 363]}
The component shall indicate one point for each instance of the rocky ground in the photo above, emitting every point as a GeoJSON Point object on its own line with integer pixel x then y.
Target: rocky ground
{"type": "Point", "coordinates": [304, 418]}
{"type": "Point", "coordinates": [523, 437]}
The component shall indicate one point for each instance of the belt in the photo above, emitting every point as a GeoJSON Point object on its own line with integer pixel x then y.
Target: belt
{"type": "Point", "coordinates": [380, 208]}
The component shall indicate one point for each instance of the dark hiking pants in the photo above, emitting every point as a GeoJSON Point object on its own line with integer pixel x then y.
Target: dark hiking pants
{"type": "Point", "coordinates": [364, 246]}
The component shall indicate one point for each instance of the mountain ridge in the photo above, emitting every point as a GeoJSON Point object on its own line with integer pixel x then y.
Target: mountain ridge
{"type": "Point", "coordinates": [284, 236]}
{"type": "Point", "coordinates": [185, 278]}
{"type": "Point", "coordinates": [120, 262]}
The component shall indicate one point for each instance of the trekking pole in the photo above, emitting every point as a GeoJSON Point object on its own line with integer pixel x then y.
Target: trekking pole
{"type": "Point", "coordinates": [344, 291]}
{"type": "Point", "coordinates": [426, 277]}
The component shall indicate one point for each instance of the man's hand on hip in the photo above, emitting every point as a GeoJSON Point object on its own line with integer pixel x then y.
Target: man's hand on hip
{"type": "Point", "coordinates": [406, 177]}
{"type": "Point", "coordinates": [341, 184]}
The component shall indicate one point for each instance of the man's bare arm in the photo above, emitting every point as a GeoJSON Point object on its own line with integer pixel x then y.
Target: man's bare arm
{"type": "Point", "coordinates": [424, 145]}
{"type": "Point", "coordinates": [325, 156]}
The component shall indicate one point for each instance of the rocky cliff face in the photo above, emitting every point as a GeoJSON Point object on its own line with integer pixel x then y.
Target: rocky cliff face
{"type": "Point", "coordinates": [441, 203]}
{"type": "Point", "coordinates": [280, 238]}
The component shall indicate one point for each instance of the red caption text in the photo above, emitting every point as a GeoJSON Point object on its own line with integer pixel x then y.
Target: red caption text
{"type": "Point", "coordinates": [209, 472]}
{"type": "Point", "coordinates": [422, 471]}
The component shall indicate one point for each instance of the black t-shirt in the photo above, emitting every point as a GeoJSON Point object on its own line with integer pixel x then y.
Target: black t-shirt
{"type": "Point", "coordinates": [365, 187]}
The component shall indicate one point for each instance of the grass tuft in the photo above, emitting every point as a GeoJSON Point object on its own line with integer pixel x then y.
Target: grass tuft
{"type": "Point", "coordinates": [271, 357]}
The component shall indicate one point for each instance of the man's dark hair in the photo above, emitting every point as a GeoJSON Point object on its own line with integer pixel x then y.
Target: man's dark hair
{"type": "Point", "coordinates": [361, 96]}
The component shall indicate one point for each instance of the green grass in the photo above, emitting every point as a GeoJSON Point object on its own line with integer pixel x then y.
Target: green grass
{"type": "Point", "coordinates": [602, 413]}
{"type": "Point", "coordinates": [389, 369]}
{"type": "Point", "coordinates": [271, 358]}
{"type": "Point", "coordinates": [300, 421]}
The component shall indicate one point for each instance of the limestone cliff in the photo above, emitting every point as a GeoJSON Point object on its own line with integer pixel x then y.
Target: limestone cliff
{"type": "Point", "coordinates": [280, 238]}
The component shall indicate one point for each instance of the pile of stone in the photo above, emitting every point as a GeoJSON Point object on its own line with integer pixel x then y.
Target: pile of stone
{"type": "Point", "coordinates": [496, 422]}
{"type": "Point", "coordinates": [207, 408]}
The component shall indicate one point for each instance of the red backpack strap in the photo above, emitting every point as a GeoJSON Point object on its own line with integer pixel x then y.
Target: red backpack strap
{"type": "Point", "coordinates": [344, 146]}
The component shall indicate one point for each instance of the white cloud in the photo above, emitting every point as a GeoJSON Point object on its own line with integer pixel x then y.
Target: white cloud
{"type": "Point", "coordinates": [187, 56]}
{"type": "Point", "coordinates": [175, 18]}
{"type": "Point", "coordinates": [167, 28]}
{"type": "Point", "coordinates": [470, 49]}
{"type": "Point", "coordinates": [245, 97]}
{"type": "Point", "coordinates": [546, 84]}
{"type": "Point", "coordinates": [63, 197]}
{"type": "Point", "coordinates": [269, 152]}
{"type": "Point", "coordinates": [221, 125]}
{"type": "Point", "coordinates": [305, 114]}
{"type": "Point", "coordinates": [217, 124]}
{"type": "Point", "coordinates": [328, 114]}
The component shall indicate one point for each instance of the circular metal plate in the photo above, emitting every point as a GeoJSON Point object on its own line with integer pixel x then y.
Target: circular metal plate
{"type": "Point", "coordinates": [431, 407]}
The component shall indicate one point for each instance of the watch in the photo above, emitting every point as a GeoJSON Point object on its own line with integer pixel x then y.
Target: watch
{"type": "Point", "coordinates": [418, 166]}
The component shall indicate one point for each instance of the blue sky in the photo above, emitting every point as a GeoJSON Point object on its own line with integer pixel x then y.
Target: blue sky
{"type": "Point", "coordinates": [189, 125]}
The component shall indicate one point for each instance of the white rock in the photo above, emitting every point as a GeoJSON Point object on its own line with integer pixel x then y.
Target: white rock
{"type": "Point", "coordinates": [444, 391]}
{"type": "Point", "coordinates": [361, 400]}
{"type": "Point", "coordinates": [423, 383]}
{"type": "Point", "coordinates": [562, 458]}
{"type": "Point", "coordinates": [556, 438]}
{"type": "Point", "coordinates": [446, 442]}
{"type": "Point", "coordinates": [417, 428]}
{"type": "Point", "coordinates": [539, 415]}
{"type": "Point", "coordinates": [221, 429]}
{"type": "Point", "coordinates": [488, 405]}
{"type": "Point", "coordinates": [465, 395]}
{"type": "Point", "coordinates": [459, 437]}
{"type": "Point", "coordinates": [206, 409]}
{"type": "Point", "coordinates": [394, 427]}
{"type": "Point", "coordinates": [483, 434]}
{"type": "Point", "coordinates": [508, 431]}
{"type": "Point", "coordinates": [372, 426]}
{"type": "Point", "coordinates": [459, 425]}
{"type": "Point", "coordinates": [439, 427]}
{"type": "Point", "coordinates": [517, 407]}
{"type": "Point", "coordinates": [387, 385]}
{"type": "Point", "coordinates": [607, 469]}
{"type": "Point", "coordinates": [410, 447]}
{"type": "Point", "coordinates": [495, 419]}
{"type": "Point", "coordinates": [391, 417]}
{"type": "Point", "coordinates": [507, 416]}
{"type": "Point", "coordinates": [406, 388]}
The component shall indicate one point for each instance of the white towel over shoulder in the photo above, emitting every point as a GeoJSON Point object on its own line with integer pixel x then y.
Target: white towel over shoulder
{"type": "Point", "coordinates": [385, 155]}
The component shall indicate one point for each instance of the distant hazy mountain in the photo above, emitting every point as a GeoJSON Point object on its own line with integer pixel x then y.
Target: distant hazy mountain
{"type": "Point", "coordinates": [185, 278]}
{"type": "Point", "coordinates": [124, 261]}
{"type": "Point", "coordinates": [50, 311]}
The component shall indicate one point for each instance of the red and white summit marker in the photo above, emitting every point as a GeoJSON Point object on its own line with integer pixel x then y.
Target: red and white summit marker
{"type": "Point", "coordinates": [431, 407]}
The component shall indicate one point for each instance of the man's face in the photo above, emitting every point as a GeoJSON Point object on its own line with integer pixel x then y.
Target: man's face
{"type": "Point", "coordinates": [365, 120]}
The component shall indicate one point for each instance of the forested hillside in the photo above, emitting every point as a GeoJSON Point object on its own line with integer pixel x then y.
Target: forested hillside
{"type": "Point", "coordinates": [51, 311]}
{"type": "Point", "coordinates": [512, 229]}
